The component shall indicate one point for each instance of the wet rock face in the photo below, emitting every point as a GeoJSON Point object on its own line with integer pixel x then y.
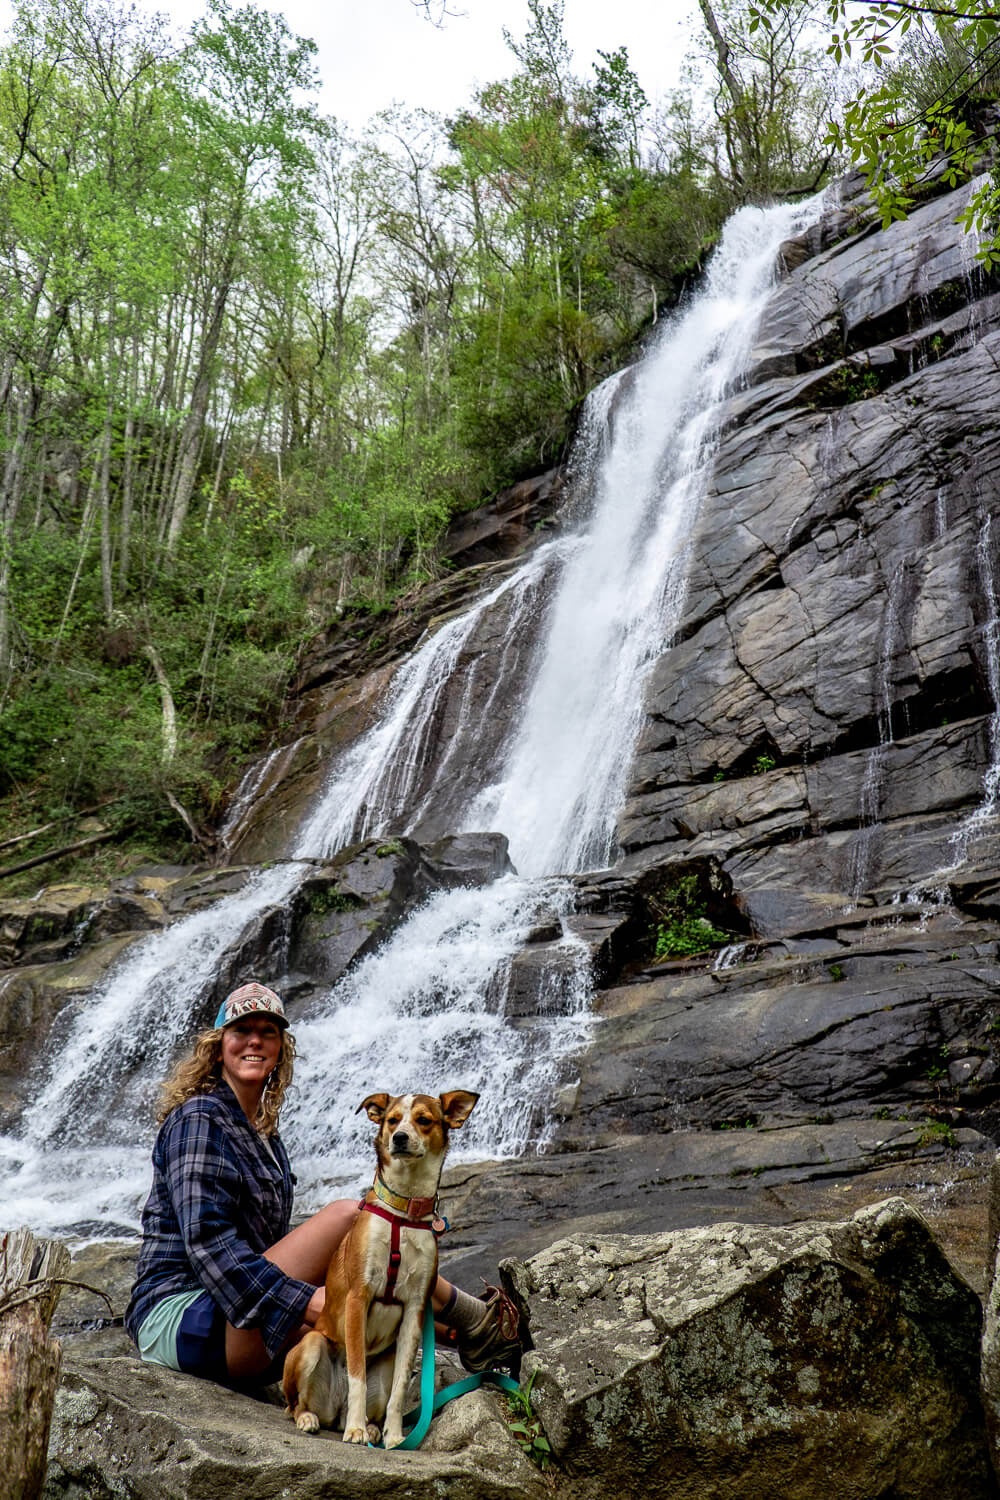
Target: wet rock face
{"type": "Point", "coordinates": [737, 1362]}
{"type": "Point", "coordinates": [344, 678]}
{"type": "Point", "coordinates": [823, 722]}
{"type": "Point", "coordinates": [821, 1035]}
{"type": "Point", "coordinates": [351, 905]}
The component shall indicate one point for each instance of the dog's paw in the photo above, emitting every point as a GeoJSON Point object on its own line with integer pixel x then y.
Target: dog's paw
{"type": "Point", "coordinates": [374, 1432]}
{"type": "Point", "coordinates": [307, 1421]}
{"type": "Point", "coordinates": [354, 1435]}
{"type": "Point", "coordinates": [393, 1437]}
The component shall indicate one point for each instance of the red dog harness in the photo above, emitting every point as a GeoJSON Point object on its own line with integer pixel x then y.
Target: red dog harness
{"type": "Point", "coordinates": [396, 1223]}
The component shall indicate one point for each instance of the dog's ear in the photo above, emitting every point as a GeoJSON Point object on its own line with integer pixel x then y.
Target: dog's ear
{"type": "Point", "coordinates": [457, 1106]}
{"type": "Point", "coordinates": [375, 1106]}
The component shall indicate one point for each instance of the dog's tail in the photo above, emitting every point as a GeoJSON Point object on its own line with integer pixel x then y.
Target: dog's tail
{"type": "Point", "coordinates": [302, 1363]}
{"type": "Point", "coordinates": [313, 1383]}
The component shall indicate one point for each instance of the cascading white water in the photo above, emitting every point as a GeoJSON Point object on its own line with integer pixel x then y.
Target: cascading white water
{"type": "Point", "coordinates": [373, 785]}
{"type": "Point", "coordinates": [427, 1009]}
{"type": "Point", "coordinates": [54, 1174]}
{"type": "Point", "coordinates": [433, 995]}
{"type": "Point", "coordinates": [620, 597]}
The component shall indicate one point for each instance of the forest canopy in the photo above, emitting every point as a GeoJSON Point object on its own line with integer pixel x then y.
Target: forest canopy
{"type": "Point", "coordinates": [253, 363]}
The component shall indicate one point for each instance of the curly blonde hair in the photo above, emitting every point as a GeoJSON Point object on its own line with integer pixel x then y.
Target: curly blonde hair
{"type": "Point", "coordinates": [201, 1070]}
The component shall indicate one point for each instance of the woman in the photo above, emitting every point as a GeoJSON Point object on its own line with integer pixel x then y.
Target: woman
{"type": "Point", "coordinates": [223, 1288]}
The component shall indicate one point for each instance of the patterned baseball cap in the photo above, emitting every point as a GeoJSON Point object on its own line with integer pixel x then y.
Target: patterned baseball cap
{"type": "Point", "coordinates": [251, 1000]}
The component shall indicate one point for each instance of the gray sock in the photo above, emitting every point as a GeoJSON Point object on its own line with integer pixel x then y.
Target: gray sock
{"type": "Point", "coordinates": [463, 1311]}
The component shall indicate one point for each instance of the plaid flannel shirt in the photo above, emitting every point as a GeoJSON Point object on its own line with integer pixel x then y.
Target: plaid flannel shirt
{"type": "Point", "coordinates": [218, 1201]}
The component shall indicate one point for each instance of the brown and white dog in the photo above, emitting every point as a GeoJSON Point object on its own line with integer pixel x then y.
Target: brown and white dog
{"type": "Point", "coordinates": [379, 1279]}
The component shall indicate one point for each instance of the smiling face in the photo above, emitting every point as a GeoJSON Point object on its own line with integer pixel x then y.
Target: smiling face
{"type": "Point", "coordinates": [250, 1049]}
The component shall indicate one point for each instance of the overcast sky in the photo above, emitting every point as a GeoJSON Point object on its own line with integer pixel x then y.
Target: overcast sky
{"type": "Point", "coordinates": [374, 52]}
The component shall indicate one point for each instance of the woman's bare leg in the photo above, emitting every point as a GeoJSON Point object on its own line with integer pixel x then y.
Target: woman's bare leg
{"type": "Point", "coordinates": [303, 1253]}
{"type": "Point", "coordinates": [441, 1294]}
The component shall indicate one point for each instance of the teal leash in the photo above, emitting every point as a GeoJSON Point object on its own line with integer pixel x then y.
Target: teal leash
{"type": "Point", "coordinates": [431, 1402]}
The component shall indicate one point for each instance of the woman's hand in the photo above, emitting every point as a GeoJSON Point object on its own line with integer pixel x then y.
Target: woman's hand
{"type": "Point", "coordinates": [314, 1306]}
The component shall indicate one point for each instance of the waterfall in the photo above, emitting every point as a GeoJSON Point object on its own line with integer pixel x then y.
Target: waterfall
{"type": "Point", "coordinates": [582, 620]}
{"type": "Point", "coordinates": [270, 768]}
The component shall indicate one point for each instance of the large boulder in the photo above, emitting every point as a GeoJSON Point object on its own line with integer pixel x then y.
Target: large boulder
{"type": "Point", "coordinates": [834, 1360]}
{"type": "Point", "coordinates": [124, 1430]}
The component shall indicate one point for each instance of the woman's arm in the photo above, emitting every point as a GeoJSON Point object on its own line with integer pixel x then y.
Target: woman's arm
{"type": "Point", "coordinates": [205, 1175]}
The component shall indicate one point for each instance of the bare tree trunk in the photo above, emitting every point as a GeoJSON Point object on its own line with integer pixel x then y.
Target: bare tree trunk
{"type": "Point", "coordinates": [29, 1359]}
{"type": "Point", "coordinates": [89, 511]}
{"type": "Point", "coordinates": [175, 381]}
{"type": "Point", "coordinates": [169, 729]}
{"type": "Point", "coordinates": [744, 169]}
{"type": "Point", "coordinates": [104, 488]}
{"type": "Point", "coordinates": [128, 477]}
{"type": "Point", "coordinates": [192, 435]}
{"type": "Point", "coordinates": [10, 495]}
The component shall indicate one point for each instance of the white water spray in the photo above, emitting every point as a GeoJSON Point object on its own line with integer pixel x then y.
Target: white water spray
{"type": "Point", "coordinates": [270, 768]}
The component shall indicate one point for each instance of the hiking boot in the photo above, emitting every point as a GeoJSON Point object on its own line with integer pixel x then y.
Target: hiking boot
{"type": "Point", "coordinates": [494, 1342]}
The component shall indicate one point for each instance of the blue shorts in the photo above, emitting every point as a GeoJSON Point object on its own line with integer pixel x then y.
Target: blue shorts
{"type": "Point", "coordinates": [194, 1341]}
{"type": "Point", "coordinates": [201, 1340]}
{"type": "Point", "coordinates": [201, 1347]}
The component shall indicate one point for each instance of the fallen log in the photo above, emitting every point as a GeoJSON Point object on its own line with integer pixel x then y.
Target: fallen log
{"type": "Point", "coordinates": [31, 1276]}
{"type": "Point", "coordinates": [44, 859]}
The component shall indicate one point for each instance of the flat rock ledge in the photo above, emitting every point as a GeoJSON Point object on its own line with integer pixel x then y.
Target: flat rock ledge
{"type": "Point", "coordinates": [834, 1360]}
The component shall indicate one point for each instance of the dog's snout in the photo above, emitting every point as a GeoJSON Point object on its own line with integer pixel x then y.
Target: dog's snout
{"type": "Point", "coordinates": [401, 1141]}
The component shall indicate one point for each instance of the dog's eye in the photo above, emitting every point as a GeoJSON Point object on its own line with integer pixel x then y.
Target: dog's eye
{"type": "Point", "coordinates": [424, 1120]}
{"type": "Point", "coordinates": [394, 1120]}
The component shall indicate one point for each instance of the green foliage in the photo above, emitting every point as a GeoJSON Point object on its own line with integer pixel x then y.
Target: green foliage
{"type": "Point", "coordinates": [848, 383]}
{"type": "Point", "coordinates": [937, 1133]}
{"type": "Point", "coordinates": [924, 75]}
{"type": "Point", "coordinates": [526, 1427]}
{"type": "Point", "coordinates": [763, 764]}
{"type": "Point", "coordinates": [682, 927]}
{"type": "Point", "coordinates": [330, 899]}
{"type": "Point", "coordinates": [938, 1069]}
